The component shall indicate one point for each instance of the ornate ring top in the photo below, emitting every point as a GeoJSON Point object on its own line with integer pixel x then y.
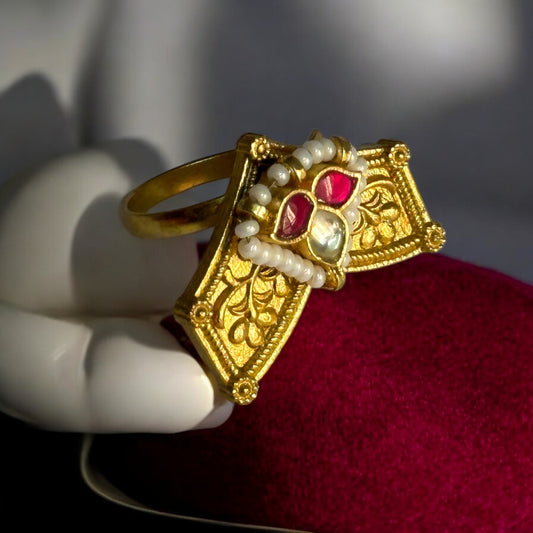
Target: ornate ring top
{"type": "Point", "coordinates": [293, 218]}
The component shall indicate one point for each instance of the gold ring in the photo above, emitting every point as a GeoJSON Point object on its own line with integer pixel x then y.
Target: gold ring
{"type": "Point", "coordinates": [293, 218]}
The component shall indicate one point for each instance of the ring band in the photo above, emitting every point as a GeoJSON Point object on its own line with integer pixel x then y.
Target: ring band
{"type": "Point", "coordinates": [135, 206]}
{"type": "Point", "coordinates": [292, 219]}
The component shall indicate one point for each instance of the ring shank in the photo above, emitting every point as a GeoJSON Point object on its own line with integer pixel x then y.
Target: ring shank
{"type": "Point", "coordinates": [135, 206]}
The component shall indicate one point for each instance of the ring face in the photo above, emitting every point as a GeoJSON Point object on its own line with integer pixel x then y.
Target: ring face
{"type": "Point", "coordinates": [294, 219]}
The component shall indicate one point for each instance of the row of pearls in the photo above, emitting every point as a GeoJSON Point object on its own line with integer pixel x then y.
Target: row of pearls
{"type": "Point", "coordinates": [250, 247]}
{"type": "Point", "coordinates": [314, 152]}
{"type": "Point", "coordinates": [283, 259]}
{"type": "Point", "coordinates": [311, 153]}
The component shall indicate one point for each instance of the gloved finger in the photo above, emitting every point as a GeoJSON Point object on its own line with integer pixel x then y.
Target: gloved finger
{"type": "Point", "coordinates": [110, 375]}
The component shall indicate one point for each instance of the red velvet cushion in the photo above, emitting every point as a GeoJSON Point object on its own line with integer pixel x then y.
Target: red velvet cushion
{"type": "Point", "coordinates": [403, 402]}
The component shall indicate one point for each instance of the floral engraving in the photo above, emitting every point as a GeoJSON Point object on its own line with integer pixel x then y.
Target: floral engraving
{"type": "Point", "coordinates": [378, 216]}
{"type": "Point", "coordinates": [246, 307]}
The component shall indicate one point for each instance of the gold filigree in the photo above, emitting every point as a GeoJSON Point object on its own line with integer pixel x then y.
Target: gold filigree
{"type": "Point", "coordinates": [434, 237]}
{"type": "Point", "coordinates": [260, 148]}
{"type": "Point", "coordinates": [399, 155]}
{"type": "Point", "coordinates": [244, 390]}
{"type": "Point", "coordinates": [200, 313]}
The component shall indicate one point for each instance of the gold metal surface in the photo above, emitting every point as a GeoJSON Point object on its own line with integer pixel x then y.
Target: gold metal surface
{"type": "Point", "coordinates": [238, 314]}
{"type": "Point", "coordinates": [395, 223]}
{"type": "Point", "coordinates": [135, 206]}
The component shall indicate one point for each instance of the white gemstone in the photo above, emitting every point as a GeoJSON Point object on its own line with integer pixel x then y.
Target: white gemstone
{"type": "Point", "coordinates": [247, 228]}
{"type": "Point", "coordinates": [279, 174]}
{"type": "Point", "coordinates": [304, 157]}
{"type": "Point", "coordinates": [316, 150]}
{"type": "Point", "coordinates": [261, 194]}
{"type": "Point", "coordinates": [249, 248]}
{"type": "Point", "coordinates": [329, 149]}
{"type": "Point", "coordinates": [327, 236]}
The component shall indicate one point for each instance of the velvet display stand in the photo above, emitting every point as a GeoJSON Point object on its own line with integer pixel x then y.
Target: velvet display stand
{"type": "Point", "coordinates": [402, 403]}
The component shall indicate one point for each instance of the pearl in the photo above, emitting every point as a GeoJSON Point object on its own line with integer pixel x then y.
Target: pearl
{"type": "Point", "coordinates": [316, 150]}
{"type": "Point", "coordinates": [276, 255]}
{"type": "Point", "coordinates": [360, 165]}
{"type": "Point", "coordinates": [328, 149]}
{"type": "Point", "coordinates": [351, 215]}
{"type": "Point", "coordinates": [355, 203]}
{"type": "Point", "coordinates": [347, 260]}
{"type": "Point", "coordinates": [298, 266]}
{"type": "Point", "coordinates": [353, 157]}
{"type": "Point", "coordinates": [260, 193]}
{"type": "Point", "coordinates": [264, 255]}
{"type": "Point", "coordinates": [304, 157]}
{"type": "Point", "coordinates": [351, 212]}
{"type": "Point", "coordinates": [327, 236]}
{"type": "Point", "coordinates": [287, 262]}
{"type": "Point", "coordinates": [319, 277]}
{"type": "Point", "coordinates": [362, 182]}
{"type": "Point", "coordinates": [247, 228]}
{"type": "Point", "coordinates": [307, 272]}
{"type": "Point", "coordinates": [249, 248]}
{"type": "Point", "coordinates": [279, 174]}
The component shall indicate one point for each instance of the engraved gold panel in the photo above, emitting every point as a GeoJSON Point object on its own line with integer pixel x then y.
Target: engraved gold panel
{"type": "Point", "coordinates": [394, 223]}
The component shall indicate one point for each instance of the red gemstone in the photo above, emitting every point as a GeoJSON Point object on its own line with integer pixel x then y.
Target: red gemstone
{"type": "Point", "coordinates": [295, 216]}
{"type": "Point", "coordinates": [335, 188]}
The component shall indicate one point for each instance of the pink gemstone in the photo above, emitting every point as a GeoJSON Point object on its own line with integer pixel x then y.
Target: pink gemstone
{"type": "Point", "coordinates": [335, 188]}
{"type": "Point", "coordinates": [295, 216]}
